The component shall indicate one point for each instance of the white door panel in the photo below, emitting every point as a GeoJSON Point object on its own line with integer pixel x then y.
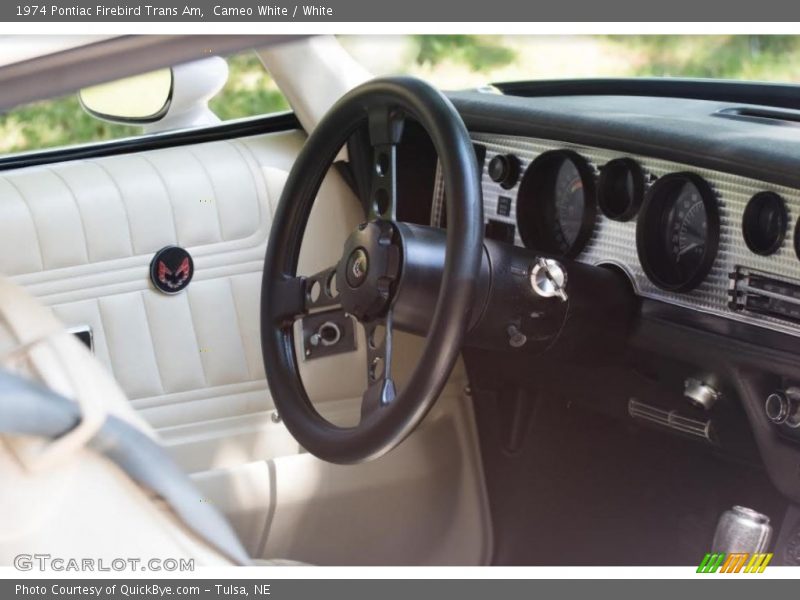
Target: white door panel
{"type": "Point", "coordinates": [216, 200]}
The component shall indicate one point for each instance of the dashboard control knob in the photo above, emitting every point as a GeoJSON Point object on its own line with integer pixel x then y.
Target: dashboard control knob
{"type": "Point", "coordinates": [700, 394]}
{"type": "Point", "coordinates": [504, 169]}
{"type": "Point", "coordinates": [516, 339]}
{"type": "Point", "coordinates": [549, 279]}
{"type": "Point", "coordinates": [783, 407]}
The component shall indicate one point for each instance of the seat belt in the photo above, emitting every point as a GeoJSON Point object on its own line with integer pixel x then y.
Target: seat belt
{"type": "Point", "coordinates": [30, 409]}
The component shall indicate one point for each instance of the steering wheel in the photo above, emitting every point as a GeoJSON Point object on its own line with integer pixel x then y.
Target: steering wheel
{"type": "Point", "coordinates": [372, 268]}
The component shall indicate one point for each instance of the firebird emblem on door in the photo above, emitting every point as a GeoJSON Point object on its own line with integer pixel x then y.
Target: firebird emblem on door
{"type": "Point", "coordinates": [173, 280]}
{"type": "Point", "coordinates": [171, 269]}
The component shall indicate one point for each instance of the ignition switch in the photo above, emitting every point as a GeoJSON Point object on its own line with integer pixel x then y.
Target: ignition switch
{"type": "Point", "coordinates": [549, 279]}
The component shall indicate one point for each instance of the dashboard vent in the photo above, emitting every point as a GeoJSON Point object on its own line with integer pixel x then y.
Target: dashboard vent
{"type": "Point", "coordinates": [765, 116]}
{"type": "Point", "coordinates": [671, 419]}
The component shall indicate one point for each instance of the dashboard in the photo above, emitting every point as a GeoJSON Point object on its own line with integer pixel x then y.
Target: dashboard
{"type": "Point", "coordinates": [690, 193]}
{"type": "Point", "coordinates": [694, 196]}
{"type": "Point", "coordinates": [690, 236]}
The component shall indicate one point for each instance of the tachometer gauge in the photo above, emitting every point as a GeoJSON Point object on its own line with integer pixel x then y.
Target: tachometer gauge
{"type": "Point", "coordinates": [555, 204]}
{"type": "Point", "coordinates": [678, 232]}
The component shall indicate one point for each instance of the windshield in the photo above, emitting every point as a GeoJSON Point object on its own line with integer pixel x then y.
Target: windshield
{"type": "Point", "coordinates": [468, 61]}
{"type": "Point", "coordinates": [449, 62]}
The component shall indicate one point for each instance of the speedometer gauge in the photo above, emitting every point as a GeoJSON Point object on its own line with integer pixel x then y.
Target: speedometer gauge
{"type": "Point", "coordinates": [555, 204]}
{"type": "Point", "coordinates": [687, 228]}
{"type": "Point", "coordinates": [677, 235]}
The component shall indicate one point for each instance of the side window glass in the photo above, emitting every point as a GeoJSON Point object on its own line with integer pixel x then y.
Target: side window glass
{"type": "Point", "coordinates": [248, 91]}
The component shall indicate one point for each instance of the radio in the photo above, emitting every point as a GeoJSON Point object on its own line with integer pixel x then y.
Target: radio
{"type": "Point", "coordinates": [765, 294]}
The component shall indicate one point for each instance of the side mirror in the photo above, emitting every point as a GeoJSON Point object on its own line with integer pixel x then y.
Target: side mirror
{"type": "Point", "coordinates": [136, 100]}
{"type": "Point", "coordinates": [160, 100]}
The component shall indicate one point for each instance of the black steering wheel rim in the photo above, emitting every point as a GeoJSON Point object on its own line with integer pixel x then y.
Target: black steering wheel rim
{"type": "Point", "coordinates": [282, 290]}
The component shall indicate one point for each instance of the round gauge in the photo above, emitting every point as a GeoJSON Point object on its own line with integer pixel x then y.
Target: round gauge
{"type": "Point", "coordinates": [797, 238]}
{"type": "Point", "coordinates": [555, 204]}
{"type": "Point", "coordinates": [764, 223]}
{"type": "Point", "coordinates": [620, 190]}
{"type": "Point", "coordinates": [677, 235]}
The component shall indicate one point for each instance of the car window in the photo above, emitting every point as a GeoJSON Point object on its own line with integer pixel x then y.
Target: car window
{"type": "Point", "coordinates": [60, 122]}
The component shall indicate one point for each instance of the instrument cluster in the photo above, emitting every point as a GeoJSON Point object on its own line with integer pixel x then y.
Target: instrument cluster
{"type": "Point", "coordinates": [681, 234]}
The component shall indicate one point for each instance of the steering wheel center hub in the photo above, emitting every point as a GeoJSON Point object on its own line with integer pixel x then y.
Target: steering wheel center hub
{"type": "Point", "coordinates": [357, 267]}
{"type": "Point", "coordinates": [370, 270]}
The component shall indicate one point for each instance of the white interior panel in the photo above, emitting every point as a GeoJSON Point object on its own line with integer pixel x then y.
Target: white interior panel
{"type": "Point", "coordinates": [80, 237]}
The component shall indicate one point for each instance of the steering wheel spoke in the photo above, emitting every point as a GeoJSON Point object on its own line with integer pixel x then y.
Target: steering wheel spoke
{"type": "Point", "coordinates": [320, 290]}
{"type": "Point", "coordinates": [385, 130]}
{"type": "Point", "coordinates": [297, 296]}
{"type": "Point", "coordinates": [380, 390]}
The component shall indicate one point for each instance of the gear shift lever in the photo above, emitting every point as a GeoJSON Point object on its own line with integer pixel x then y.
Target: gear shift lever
{"type": "Point", "coordinates": [742, 529]}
